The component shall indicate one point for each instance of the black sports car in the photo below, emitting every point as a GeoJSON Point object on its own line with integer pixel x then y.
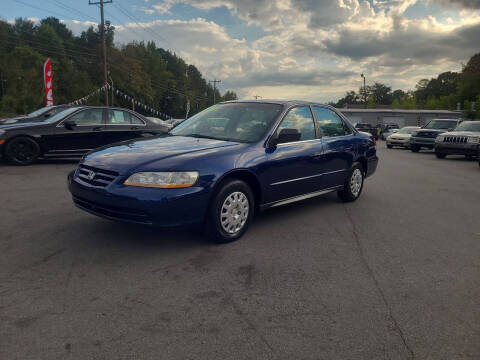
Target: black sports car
{"type": "Point", "coordinates": [72, 133]}
{"type": "Point", "coordinates": [37, 115]}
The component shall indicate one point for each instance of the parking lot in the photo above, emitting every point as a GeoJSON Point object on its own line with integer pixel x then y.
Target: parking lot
{"type": "Point", "coordinates": [395, 275]}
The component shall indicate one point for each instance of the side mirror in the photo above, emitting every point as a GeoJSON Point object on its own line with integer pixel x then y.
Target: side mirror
{"type": "Point", "coordinates": [69, 124]}
{"type": "Point", "coordinates": [286, 136]}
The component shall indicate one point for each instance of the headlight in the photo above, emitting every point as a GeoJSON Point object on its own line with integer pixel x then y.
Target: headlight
{"type": "Point", "coordinates": [473, 139]}
{"type": "Point", "coordinates": [164, 180]}
{"type": "Point", "coordinates": [440, 138]}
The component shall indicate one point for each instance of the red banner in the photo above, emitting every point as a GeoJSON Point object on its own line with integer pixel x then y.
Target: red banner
{"type": "Point", "coordinates": [48, 77]}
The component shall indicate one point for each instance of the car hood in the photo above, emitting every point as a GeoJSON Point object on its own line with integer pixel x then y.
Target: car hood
{"type": "Point", "coordinates": [463, 133]}
{"type": "Point", "coordinates": [400, 136]}
{"type": "Point", "coordinates": [19, 124]}
{"type": "Point", "coordinates": [439, 131]}
{"type": "Point", "coordinates": [130, 155]}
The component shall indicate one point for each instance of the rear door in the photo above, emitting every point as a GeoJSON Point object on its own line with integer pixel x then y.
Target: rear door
{"type": "Point", "coordinates": [122, 125]}
{"type": "Point", "coordinates": [84, 136]}
{"type": "Point", "coordinates": [339, 146]}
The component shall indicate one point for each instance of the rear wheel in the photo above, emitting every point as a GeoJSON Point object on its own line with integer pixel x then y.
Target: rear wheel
{"type": "Point", "coordinates": [389, 146]}
{"type": "Point", "coordinates": [440, 155]}
{"type": "Point", "coordinates": [353, 185]}
{"type": "Point", "coordinates": [22, 150]}
{"type": "Point", "coordinates": [230, 212]}
{"type": "Point", "coordinates": [470, 157]}
{"type": "Point", "coordinates": [415, 148]}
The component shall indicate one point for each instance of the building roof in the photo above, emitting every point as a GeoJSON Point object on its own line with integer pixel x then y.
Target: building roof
{"type": "Point", "coordinates": [401, 111]}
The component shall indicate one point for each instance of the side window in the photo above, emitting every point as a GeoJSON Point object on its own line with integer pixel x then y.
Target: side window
{"type": "Point", "coordinates": [299, 118]}
{"type": "Point", "coordinates": [118, 117]}
{"type": "Point", "coordinates": [330, 123]}
{"type": "Point", "coordinates": [135, 120]}
{"type": "Point", "coordinates": [88, 117]}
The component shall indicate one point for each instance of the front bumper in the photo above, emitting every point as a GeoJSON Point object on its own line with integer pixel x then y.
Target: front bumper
{"type": "Point", "coordinates": [149, 206]}
{"type": "Point", "coordinates": [457, 149]}
{"type": "Point", "coordinates": [424, 142]}
{"type": "Point", "coordinates": [398, 142]}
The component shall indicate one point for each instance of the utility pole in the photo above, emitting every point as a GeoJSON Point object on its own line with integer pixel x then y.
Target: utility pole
{"type": "Point", "coordinates": [364, 90]}
{"type": "Point", "coordinates": [215, 81]}
{"type": "Point", "coordinates": [104, 43]}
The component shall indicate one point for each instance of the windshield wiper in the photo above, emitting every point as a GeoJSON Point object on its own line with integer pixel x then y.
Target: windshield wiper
{"type": "Point", "coordinates": [201, 136]}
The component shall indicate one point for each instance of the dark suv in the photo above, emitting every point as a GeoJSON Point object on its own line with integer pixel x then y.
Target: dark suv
{"type": "Point", "coordinates": [425, 137]}
{"type": "Point", "coordinates": [366, 128]}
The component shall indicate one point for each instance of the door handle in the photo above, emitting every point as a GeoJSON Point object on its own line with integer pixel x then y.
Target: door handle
{"type": "Point", "coordinates": [98, 128]}
{"type": "Point", "coordinates": [134, 128]}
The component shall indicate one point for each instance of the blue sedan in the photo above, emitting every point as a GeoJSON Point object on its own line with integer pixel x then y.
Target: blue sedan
{"type": "Point", "coordinates": [225, 163]}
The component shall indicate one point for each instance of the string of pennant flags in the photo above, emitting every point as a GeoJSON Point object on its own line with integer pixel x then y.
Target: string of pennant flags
{"type": "Point", "coordinates": [120, 93]}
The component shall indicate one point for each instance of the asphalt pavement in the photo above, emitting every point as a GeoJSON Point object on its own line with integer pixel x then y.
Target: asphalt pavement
{"type": "Point", "coordinates": [395, 275]}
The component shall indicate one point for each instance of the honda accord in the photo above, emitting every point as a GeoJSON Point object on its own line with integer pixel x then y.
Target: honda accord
{"type": "Point", "coordinates": [225, 163]}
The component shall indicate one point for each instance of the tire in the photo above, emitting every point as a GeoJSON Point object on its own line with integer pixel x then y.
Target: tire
{"type": "Point", "coordinates": [389, 146]}
{"type": "Point", "coordinates": [223, 226]}
{"type": "Point", "coordinates": [415, 148]}
{"type": "Point", "coordinates": [470, 157]}
{"type": "Point", "coordinates": [440, 155]}
{"type": "Point", "coordinates": [353, 186]}
{"type": "Point", "coordinates": [22, 150]}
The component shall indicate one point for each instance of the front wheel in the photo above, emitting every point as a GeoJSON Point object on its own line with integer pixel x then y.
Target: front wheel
{"type": "Point", "coordinates": [22, 151]}
{"type": "Point", "coordinates": [440, 155]}
{"type": "Point", "coordinates": [389, 146]}
{"type": "Point", "coordinates": [415, 148]}
{"type": "Point", "coordinates": [230, 212]}
{"type": "Point", "coordinates": [353, 186]}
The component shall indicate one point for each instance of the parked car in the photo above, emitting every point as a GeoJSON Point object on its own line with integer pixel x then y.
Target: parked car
{"type": "Point", "coordinates": [221, 165]}
{"type": "Point", "coordinates": [366, 128]}
{"type": "Point", "coordinates": [72, 133]}
{"type": "Point", "coordinates": [160, 122]}
{"type": "Point", "coordinates": [37, 115]}
{"type": "Point", "coordinates": [388, 131]}
{"type": "Point", "coordinates": [401, 137]}
{"type": "Point", "coordinates": [463, 140]}
{"type": "Point", "coordinates": [425, 137]}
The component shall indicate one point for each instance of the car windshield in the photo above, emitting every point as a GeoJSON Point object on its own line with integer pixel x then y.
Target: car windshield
{"type": "Point", "coordinates": [406, 130]}
{"type": "Point", "coordinates": [469, 126]}
{"type": "Point", "coordinates": [441, 124]}
{"type": "Point", "coordinates": [39, 111]}
{"type": "Point", "coordinates": [240, 122]}
{"type": "Point", "coordinates": [60, 115]}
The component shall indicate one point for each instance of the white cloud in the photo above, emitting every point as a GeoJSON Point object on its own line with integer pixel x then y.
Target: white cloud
{"type": "Point", "coordinates": [315, 49]}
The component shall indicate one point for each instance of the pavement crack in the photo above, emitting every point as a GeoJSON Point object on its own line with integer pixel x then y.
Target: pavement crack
{"type": "Point", "coordinates": [249, 322]}
{"type": "Point", "coordinates": [371, 273]}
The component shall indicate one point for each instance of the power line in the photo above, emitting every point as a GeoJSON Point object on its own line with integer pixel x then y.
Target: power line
{"type": "Point", "coordinates": [148, 30]}
{"type": "Point", "coordinates": [72, 9]}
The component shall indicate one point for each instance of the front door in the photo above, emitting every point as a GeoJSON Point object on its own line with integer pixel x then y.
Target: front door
{"type": "Point", "coordinates": [292, 169]}
{"type": "Point", "coordinates": [83, 136]}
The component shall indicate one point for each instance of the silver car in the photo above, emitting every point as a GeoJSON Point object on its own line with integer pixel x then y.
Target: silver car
{"type": "Point", "coordinates": [401, 137]}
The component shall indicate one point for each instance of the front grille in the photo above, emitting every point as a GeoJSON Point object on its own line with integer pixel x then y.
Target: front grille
{"type": "Point", "coordinates": [96, 177]}
{"type": "Point", "coordinates": [113, 212]}
{"type": "Point", "coordinates": [427, 134]}
{"type": "Point", "coordinates": [455, 139]}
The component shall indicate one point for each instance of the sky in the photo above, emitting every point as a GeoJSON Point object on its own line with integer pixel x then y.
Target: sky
{"type": "Point", "coordinates": [289, 49]}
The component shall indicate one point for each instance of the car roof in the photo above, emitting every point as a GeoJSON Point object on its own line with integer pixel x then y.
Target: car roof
{"type": "Point", "coordinates": [279, 102]}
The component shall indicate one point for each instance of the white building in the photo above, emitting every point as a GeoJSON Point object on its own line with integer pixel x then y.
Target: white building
{"type": "Point", "coordinates": [397, 116]}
